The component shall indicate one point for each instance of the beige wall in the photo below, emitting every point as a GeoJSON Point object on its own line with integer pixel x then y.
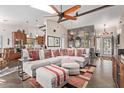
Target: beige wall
{"type": "Point", "coordinates": [61, 32]}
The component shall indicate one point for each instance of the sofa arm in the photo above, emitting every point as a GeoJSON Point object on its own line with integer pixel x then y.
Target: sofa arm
{"type": "Point", "coordinates": [39, 64]}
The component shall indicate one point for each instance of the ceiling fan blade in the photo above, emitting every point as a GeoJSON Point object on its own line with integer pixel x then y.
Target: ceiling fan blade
{"type": "Point", "coordinates": [55, 9]}
{"type": "Point", "coordinates": [70, 17]}
{"type": "Point", "coordinates": [72, 9]}
{"type": "Point", "coordinates": [59, 20]}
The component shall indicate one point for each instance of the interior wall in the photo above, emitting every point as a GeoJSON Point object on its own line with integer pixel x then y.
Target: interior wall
{"type": "Point", "coordinates": [60, 31]}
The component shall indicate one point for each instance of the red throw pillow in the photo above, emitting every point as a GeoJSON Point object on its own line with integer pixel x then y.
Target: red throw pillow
{"type": "Point", "coordinates": [63, 52]}
{"type": "Point", "coordinates": [56, 53]}
{"type": "Point", "coordinates": [71, 52]}
{"type": "Point", "coordinates": [47, 53]}
{"type": "Point", "coordinates": [34, 55]}
{"type": "Point", "coordinates": [79, 52]}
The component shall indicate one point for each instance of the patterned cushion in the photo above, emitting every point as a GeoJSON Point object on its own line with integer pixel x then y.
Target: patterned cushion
{"type": "Point", "coordinates": [47, 53]}
{"type": "Point", "coordinates": [56, 53]}
{"type": "Point", "coordinates": [80, 52]}
{"type": "Point", "coordinates": [63, 52]}
{"type": "Point", "coordinates": [34, 55]}
{"type": "Point", "coordinates": [71, 52]}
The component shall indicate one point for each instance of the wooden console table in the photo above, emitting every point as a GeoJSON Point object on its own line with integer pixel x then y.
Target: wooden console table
{"type": "Point", "coordinates": [118, 72]}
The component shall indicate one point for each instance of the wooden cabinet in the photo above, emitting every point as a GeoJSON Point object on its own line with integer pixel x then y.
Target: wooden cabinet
{"type": "Point", "coordinates": [114, 69]}
{"type": "Point", "coordinates": [118, 72]}
{"type": "Point", "coordinates": [40, 40]}
{"type": "Point", "coordinates": [121, 75]}
{"type": "Point", "coordinates": [19, 38]}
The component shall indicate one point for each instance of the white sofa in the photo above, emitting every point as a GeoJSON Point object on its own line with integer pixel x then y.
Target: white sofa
{"type": "Point", "coordinates": [31, 66]}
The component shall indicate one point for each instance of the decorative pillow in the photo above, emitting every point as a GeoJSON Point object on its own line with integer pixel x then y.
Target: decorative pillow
{"type": "Point", "coordinates": [63, 52]}
{"type": "Point", "coordinates": [79, 52]}
{"type": "Point", "coordinates": [34, 55]}
{"type": "Point", "coordinates": [25, 53]}
{"type": "Point", "coordinates": [56, 52]}
{"type": "Point", "coordinates": [41, 54]}
{"type": "Point", "coordinates": [87, 50]}
{"type": "Point", "coordinates": [47, 53]}
{"type": "Point", "coordinates": [71, 52]}
{"type": "Point", "coordinates": [84, 51]}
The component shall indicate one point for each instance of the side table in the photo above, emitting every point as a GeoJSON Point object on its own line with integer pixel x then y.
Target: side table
{"type": "Point", "coordinates": [22, 74]}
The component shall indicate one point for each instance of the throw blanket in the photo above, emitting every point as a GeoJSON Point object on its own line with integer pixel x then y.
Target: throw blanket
{"type": "Point", "coordinates": [60, 73]}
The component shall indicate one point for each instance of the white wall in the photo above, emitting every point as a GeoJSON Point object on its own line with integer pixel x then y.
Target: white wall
{"type": "Point", "coordinates": [121, 26]}
{"type": "Point", "coordinates": [61, 31]}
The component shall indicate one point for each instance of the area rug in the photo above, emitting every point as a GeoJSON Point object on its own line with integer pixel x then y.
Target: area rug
{"type": "Point", "coordinates": [77, 81]}
{"type": "Point", "coordinates": [81, 81]}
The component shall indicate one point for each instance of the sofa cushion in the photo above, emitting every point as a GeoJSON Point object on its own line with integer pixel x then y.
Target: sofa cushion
{"type": "Point", "coordinates": [76, 58]}
{"type": "Point", "coordinates": [47, 53]}
{"type": "Point", "coordinates": [56, 52]}
{"type": "Point", "coordinates": [55, 60]}
{"type": "Point", "coordinates": [66, 59]}
{"type": "Point", "coordinates": [31, 66]}
{"type": "Point", "coordinates": [34, 55]}
{"type": "Point", "coordinates": [63, 52]}
{"type": "Point", "coordinates": [71, 52]}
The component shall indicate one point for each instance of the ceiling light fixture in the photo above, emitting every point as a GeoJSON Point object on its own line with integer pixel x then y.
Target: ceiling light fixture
{"type": "Point", "coordinates": [45, 8]}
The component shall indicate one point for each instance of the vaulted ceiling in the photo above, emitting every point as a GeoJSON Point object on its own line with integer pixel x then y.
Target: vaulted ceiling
{"type": "Point", "coordinates": [23, 14]}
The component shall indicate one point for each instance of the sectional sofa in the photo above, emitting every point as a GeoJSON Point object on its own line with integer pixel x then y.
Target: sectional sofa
{"type": "Point", "coordinates": [46, 57]}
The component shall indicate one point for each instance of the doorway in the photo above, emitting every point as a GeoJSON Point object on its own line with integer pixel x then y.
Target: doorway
{"type": "Point", "coordinates": [107, 46]}
{"type": "Point", "coordinates": [104, 46]}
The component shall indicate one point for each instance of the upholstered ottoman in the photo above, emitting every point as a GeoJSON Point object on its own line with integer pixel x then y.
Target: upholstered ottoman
{"type": "Point", "coordinates": [52, 76]}
{"type": "Point", "coordinates": [73, 67]}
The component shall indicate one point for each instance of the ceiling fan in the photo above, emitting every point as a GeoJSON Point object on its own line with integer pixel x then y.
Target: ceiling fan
{"type": "Point", "coordinates": [66, 13]}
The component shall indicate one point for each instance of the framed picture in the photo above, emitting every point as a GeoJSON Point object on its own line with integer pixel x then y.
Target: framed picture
{"type": "Point", "coordinates": [57, 41]}
{"type": "Point", "coordinates": [50, 41]}
{"type": "Point", "coordinates": [53, 41]}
